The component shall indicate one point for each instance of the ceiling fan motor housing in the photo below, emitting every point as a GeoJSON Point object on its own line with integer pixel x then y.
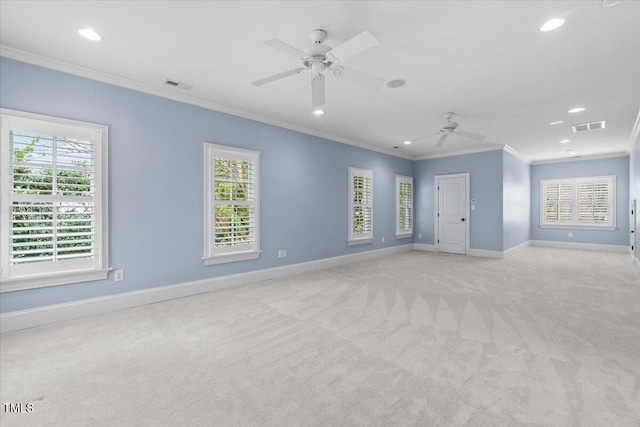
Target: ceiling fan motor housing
{"type": "Point", "coordinates": [318, 36]}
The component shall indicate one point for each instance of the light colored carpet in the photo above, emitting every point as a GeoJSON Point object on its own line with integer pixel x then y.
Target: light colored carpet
{"type": "Point", "coordinates": [548, 337]}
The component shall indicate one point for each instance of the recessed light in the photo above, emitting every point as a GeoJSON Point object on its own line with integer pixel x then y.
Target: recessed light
{"type": "Point", "coordinates": [318, 112]}
{"type": "Point", "coordinates": [552, 24]}
{"type": "Point", "coordinates": [556, 122]}
{"type": "Point", "coordinates": [407, 142]}
{"type": "Point", "coordinates": [573, 153]}
{"type": "Point", "coordinates": [88, 33]}
{"type": "Point", "coordinates": [394, 84]}
{"type": "Point", "coordinates": [564, 141]}
{"type": "Point", "coordinates": [576, 110]}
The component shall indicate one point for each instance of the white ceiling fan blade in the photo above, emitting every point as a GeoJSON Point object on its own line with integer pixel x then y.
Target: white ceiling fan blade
{"type": "Point", "coordinates": [471, 135]}
{"type": "Point", "coordinates": [283, 47]}
{"type": "Point", "coordinates": [441, 140]}
{"type": "Point", "coordinates": [358, 77]}
{"type": "Point", "coordinates": [277, 77]}
{"type": "Point", "coordinates": [317, 91]}
{"type": "Point", "coordinates": [360, 43]}
{"type": "Point", "coordinates": [426, 136]}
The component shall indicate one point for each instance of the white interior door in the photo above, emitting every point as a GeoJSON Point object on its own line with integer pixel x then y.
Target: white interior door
{"type": "Point", "coordinates": [452, 212]}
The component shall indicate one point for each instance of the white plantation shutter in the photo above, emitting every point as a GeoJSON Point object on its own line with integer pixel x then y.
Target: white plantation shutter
{"type": "Point", "coordinates": [53, 217]}
{"type": "Point", "coordinates": [404, 205]}
{"type": "Point", "coordinates": [586, 202]}
{"type": "Point", "coordinates": [593, 202]}
{"type": "Point", "coordinates": [360, 205]}
{"type": "Point", "coordinates": [232, 200]}
{"type": "Point", "coordinates": [558, 202]}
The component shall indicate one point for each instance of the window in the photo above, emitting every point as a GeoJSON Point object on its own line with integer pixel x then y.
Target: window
{"type": "Point", "coordinates": [587, 202]}
{"type": "Point", "coordinates": [360, 206]}
{"type": "Point", "coordinates": [404, 206]}
{"type": "Point", "coordinates": [232, 201]}
{"type": "Point", "coordinates": [53, 210]}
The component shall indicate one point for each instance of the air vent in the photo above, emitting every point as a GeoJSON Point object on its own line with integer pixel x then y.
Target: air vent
{"type": "Point", "coordinates": [588, 126]}
{"type": "Point", "coordinates": [176, 83]}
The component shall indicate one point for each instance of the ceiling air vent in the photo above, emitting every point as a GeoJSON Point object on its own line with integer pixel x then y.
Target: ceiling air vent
{"type": "Point", "coordinates": [588, 126]}
{"type": "Point", "coordinates": [176, 83]}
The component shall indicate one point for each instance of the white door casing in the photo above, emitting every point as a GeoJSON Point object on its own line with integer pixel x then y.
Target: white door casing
{"type": "Point", "coordinates": [632, 227]}
{"type": "Point", "coordinates": [452, 216]}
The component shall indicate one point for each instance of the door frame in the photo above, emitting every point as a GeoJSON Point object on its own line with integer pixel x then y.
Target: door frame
{"type": "Point", "coordinates": [467, 180]}
{"type": "Point", "coordinates": [632, 228]}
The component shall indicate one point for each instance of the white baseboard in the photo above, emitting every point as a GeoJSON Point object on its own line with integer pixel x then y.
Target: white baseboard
{"type": "Point", "coordinates": [484, 253]}
{"type": "Point", "coordinates": [477, 252]}
{"type": "Point", "coordinates": [424, 247]}
{"type": "Point", "coordinates": [582, 246]}
{"type": "Point", "coordinates": [23, 319]}
{"type": "Point", "coordinates": [516, 249]}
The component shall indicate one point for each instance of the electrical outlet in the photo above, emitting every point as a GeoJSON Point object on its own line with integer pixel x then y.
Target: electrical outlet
{"type": "Point", "coordinates": [570, 234]}
{"type": "Point", "coordinates": [383, 240]}
{"type": "Point", "coordinates": [420, 236]}
{"type": "Point", "coordinates": [118, 276]}
{"type": "Point", "coordinates": [282, 253]}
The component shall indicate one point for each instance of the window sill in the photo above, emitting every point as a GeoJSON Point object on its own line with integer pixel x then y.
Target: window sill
{"type": "Point", "coordinates": [361, 241]}
{"type": "Point", "coordinates": [404, 235]}
{"type": "Point", "coordinates": [579, 227]}
{"type": "Point", "coordinates": [52, 279]}
{"type": "Point", "coordinates": [231, 257]}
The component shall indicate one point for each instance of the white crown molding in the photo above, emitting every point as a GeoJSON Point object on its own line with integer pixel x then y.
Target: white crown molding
{"type": "Point", "coordinates": [635, 132]}
{"type": "Point", "coordinates": [581, 158]}
{"type": "Point", "coordinates": [513, 152]}
{"type": "Point", "coordinates": [460, 153]}
{"type": "Point", "coordinates": [66, 67]}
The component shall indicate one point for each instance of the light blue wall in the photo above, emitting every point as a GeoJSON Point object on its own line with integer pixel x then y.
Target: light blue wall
{"type": "Point", "coordinates": [634, 187]}
{"type": "Point", "coordinates": [485, 226]}
{"type": "Point", "coordinates": [618, 166]}
{"type": "Point", "coordinates": [156, 184]}
{"type": "Point", "coordinates": [516, 210]}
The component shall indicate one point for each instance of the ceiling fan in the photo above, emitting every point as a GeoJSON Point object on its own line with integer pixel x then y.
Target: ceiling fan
{"type": "Point", "coordinates": [451, 127]}
{"type": "Point", "coordinates": [321, 58]}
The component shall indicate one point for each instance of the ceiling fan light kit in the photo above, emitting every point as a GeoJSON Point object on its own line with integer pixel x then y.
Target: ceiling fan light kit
{"type": "Point", "coordinates": [321, 58]}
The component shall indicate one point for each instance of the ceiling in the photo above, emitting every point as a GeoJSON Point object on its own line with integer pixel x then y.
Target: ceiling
{"type": "Point", "coordinates": [486, 61]}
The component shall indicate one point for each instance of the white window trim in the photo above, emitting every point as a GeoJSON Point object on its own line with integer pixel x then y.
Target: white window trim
{"type": "Point", "coordinates": [403, 233]}
{"type": "Point", "coordinates": [101, 261]}
{"type": "Point", "coordinates": [361, 238]}
{"type": "Point", "coordinates": [213, 256]}
{"type": "Point", "coordinates": [573, 224]}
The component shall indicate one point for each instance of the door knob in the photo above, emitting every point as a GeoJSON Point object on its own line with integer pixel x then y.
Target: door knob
{"type": "Point", "coordinates": [462, 219]}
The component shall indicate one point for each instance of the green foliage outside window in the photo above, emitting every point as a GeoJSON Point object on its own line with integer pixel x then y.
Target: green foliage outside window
{"type": "Point", "coordinates": [233, 191]}
{"type": "Point", "coordinates": [43, 229]}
